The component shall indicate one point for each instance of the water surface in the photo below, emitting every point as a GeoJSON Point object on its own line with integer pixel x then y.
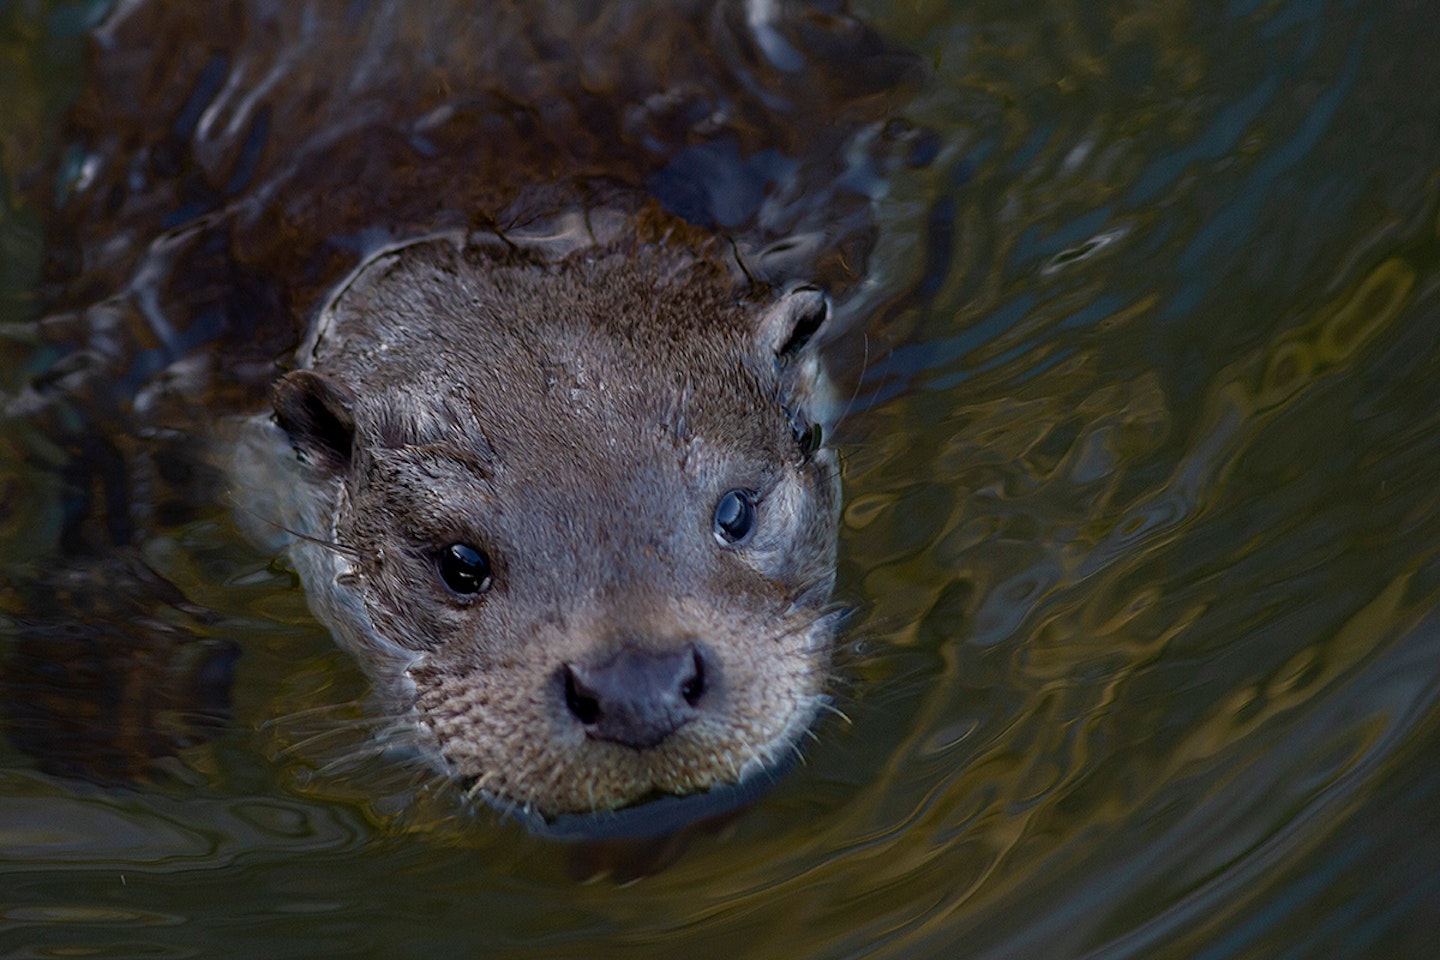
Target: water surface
{"type": "Point", "coordinates": [1141, 524]}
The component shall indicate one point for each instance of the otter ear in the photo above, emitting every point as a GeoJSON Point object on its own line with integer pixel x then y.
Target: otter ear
{"type": "Point", "coordinates": [793, 320]}
{"type": "Point", "coordinates": [806, 396]}
{"type": "Point", "coordinates": [318, 413]}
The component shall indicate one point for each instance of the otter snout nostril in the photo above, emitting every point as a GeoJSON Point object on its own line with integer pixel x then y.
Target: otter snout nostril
{"type": "Point", "coordinates": [636, 697]}
{"type": "Point", "coordinates": [694, 686]}
{"type": "Point", "coordinates": [580, 699]}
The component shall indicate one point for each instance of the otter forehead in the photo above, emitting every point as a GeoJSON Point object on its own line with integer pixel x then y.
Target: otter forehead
{"type": "Point", "coordinates": [578, 321]}
{"type": "Point", "coordinates": [543, 357]}
{"type": "Point", "coordinates": [585, 396]}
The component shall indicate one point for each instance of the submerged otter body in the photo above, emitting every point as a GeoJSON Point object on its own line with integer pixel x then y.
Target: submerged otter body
{"type": "Point", "coordinates": [549, 450]}
{"type": "Point", "coordinates": [584, 537]}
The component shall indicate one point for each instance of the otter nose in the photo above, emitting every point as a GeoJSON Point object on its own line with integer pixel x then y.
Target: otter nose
{"type": "Point", "coordinates": [636, 697]}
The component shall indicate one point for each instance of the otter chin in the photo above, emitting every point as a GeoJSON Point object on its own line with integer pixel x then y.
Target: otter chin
{"type": "Point", "coordinates": [567, 501]}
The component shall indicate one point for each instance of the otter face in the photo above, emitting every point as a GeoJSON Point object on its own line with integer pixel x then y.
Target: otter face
{"type": "Point", "coordinates": [590, 529]}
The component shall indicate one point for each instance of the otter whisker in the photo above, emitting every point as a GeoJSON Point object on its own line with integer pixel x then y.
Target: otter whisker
{"type": "Point", "coordinates": [375, 748]}
{"type": "Point", "coordinates": [349, 714]}
{"type": "Point", "coordinates": [345, 550]}
{"type": "Point", "coordinates": [830, 708]}
{"type": "Point", "coordinates": [855, 394]}
{"type": "Point", "coordinates": [314, 739]}
{"type": "Point", "coordinates": [475, 789]}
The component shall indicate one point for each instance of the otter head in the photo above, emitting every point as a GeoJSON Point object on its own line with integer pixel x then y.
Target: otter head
{"type": "Point", "coordinates": [587, 526]}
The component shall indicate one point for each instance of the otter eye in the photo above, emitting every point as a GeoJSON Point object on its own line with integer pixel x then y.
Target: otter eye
{"type": "Point", "coordinates": [734, 516]}
{"type": "Point", "coordinates": [464, 569]}
{"type": "Point", "coordinates": [811, 439]}
{"type": "Point", "coordinates": [808, 435]}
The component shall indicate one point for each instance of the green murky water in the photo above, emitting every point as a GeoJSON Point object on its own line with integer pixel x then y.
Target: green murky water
{"type": "Point", "coordinates": [1141, 518]}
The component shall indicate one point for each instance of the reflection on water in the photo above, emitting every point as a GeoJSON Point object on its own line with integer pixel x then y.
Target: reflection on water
{"type": "Point", "coordinates": [1141, 512]}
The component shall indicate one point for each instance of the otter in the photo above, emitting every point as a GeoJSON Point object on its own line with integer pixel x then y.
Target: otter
{"type": "Point", "coordinates": [550, 455]}
{"type": "Point", "coordinates": [573, 513]}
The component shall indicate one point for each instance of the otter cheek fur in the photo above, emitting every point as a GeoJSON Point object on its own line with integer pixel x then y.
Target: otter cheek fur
{"type": "Point", "coordinates": [585, 532]}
